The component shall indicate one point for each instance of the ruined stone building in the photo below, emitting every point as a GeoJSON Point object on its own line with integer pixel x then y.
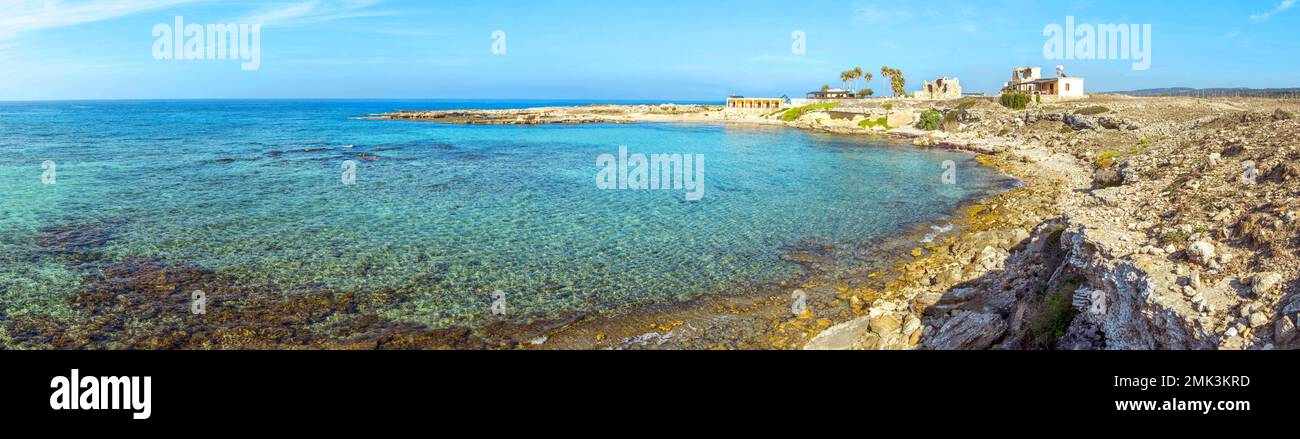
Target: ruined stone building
{"type": "Point", "coordinates": [942, 88]}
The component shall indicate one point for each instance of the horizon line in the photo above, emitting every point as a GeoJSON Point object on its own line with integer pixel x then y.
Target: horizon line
{"type": "Point", "coordinates": [355, 99]}
{"type": "Point", "coordinates": [659, 100]}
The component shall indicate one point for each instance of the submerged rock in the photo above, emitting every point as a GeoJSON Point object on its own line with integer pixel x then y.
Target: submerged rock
{"type": "Point", "coordinates": [157, 302]}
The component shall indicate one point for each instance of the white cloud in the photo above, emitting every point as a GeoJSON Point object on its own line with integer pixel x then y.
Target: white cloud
{"type": "Point", "coordinates": [313, 11]}
{"type": "Point", "coordinates": [1286, 4]}
{"type": "Point", "coordinates": [30, 15]}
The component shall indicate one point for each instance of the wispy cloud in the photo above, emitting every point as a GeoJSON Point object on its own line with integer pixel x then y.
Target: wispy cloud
{"type": "Point", "coordinates": [313, 11]}
{"type": "Point", "coordinates": [881, 12]}
{"type": "Point", "coordinates": [380, 61]}
{"type": "Point", "coordinates": [31, 15]}
{"type": "Point", "coordinates": [1281, 7]}
{"type": "Point", "coordinates": [783, 59]}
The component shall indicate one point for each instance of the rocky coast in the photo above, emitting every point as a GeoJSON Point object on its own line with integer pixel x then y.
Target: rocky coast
{"type": "Point", "coordinates": [1136, 223]}
{"type": "Point", "coordinates": [1139, 223]}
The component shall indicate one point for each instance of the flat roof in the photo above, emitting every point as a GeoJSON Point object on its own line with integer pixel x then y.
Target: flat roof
{"type": "Point", "coordinates": [1051, 79]}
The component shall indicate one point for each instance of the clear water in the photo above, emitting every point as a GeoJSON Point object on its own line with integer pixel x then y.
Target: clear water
{"type": "Point", "coordinates": [449, 213]}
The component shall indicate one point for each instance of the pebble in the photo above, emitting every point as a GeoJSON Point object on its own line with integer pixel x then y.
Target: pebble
{"type": "Point", "coordinates": [1264, 283]}
{"type": "Point", "coordinates": [1202, 252]}
{"type": "Point", "coordinates": [1258, 319]}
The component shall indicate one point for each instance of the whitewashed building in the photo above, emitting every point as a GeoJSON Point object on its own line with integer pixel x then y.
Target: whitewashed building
{"type": "Point", "coordinates": [1029, 80]}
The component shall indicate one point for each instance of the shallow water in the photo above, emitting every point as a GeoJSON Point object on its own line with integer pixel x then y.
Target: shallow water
{"type": "Point", "coordinates": [448, 213]}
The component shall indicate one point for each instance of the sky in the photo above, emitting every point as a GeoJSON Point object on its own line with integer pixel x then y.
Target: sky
{"type": "Point", "coordinates": [625, 49]}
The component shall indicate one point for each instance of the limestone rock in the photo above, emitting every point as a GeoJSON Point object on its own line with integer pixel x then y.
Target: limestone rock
{"type": "Point", "coordinates": [1115, 123]}
{"type": "Point", "coordinates": [1109, 177]}
{"type": "Point", "coordinates": [968, 331]}
{"type": "Point", "coordinates": [1079, 122]}
{"type": "Point", "coordinates": [1258, 319]}
{"type": "Point", "coordinates": [911, 324]}
{"type": "Point", "coordinates": [853, 334]}
{"type": "Point", "coordinates": [1264, 283]}
{"type": "Point", "coordinates": [1291, 306]}
{"type": "Point", "coordinates": [885, 325]}
{"type": "Point", "coordinates": [1201, 252]}
{"type": "Point", "coordinates": [900, 119]}
{"type": "Point", "coordinates": [1285, 332]}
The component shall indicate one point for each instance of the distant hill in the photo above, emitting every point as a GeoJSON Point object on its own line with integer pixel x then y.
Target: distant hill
{"type": "Point", "coordinates": [1213, 92]}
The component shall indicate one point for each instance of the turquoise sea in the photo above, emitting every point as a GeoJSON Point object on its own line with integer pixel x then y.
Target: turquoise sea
{"type": "Point", "coordinates": [450, 214]}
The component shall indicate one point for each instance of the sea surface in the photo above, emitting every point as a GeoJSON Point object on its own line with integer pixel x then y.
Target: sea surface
{"type": "Point", "coordinates": [461, 218]}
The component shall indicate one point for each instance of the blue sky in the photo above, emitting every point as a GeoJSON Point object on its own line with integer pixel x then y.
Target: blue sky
{"type": "Point", "coordinates": [626, 49]}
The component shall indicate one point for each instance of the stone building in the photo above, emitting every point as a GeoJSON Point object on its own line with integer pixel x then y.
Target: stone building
{"type": "Point", "coordinates": [942, 88]}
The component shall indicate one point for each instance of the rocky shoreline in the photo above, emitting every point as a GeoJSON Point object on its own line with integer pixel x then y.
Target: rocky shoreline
{"type": "Point", "coordinates": [1138, 223]}
{"type": "Point", "coordinates": [1141, 223]}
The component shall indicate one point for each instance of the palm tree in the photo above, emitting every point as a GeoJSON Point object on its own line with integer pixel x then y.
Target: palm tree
{"type": "Point", "coordinates": [825, 88]}
{"type": "Point", "coordinates": [857, 74]}
{"type": "Point", "coordinates": [896, 80]}
{"type": "Point", "coordinates": [845, 77]}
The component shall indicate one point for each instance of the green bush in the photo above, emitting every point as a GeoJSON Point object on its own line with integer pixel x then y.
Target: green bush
{"type": "Point", "coordinates": [879, 122]}
{"type": "Point", "coordinates": [889, 106]}
{"type": "Point", "coordinates": [930, 120]}
{"type": "Point", "coordinates": [1015, 101]}
{"type": "Point", "coordinates": [793, 114]}
{"type": "Point", "coordinates": [1054, 314]}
